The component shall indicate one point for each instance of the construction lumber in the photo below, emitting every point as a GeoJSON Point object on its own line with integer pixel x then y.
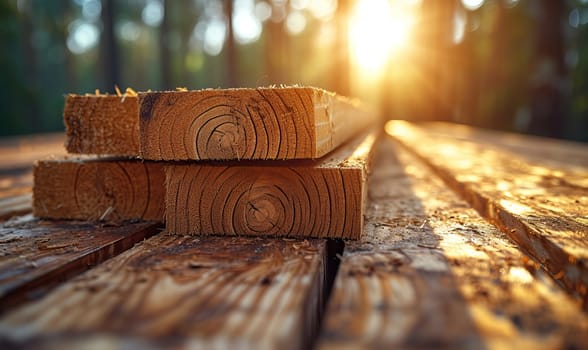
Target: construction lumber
{"type": "Point", "coordinates": [99, 189]}
{"type": "Point", "coordinates": [37, 254]}
{"type": "Point", "coordinates": [102, 124]}
{"type": "Point", "coordinates": [322, 198]}
{"type": "Point", "coordinates": [544, 209]}
{"type": "Point", "coordinates": [183, 292]}
{"type": "Point", "coordinates": [262, 123]}
{"type": "Point", "coordinates": [429, 272]}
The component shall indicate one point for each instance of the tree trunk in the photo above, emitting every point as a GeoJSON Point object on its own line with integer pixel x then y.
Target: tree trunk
{"type": "Point", "coordinates": [110, 53]}
{"type": "Point", "coordinates": [164, 52]}
{"type": "Point", "coordinates": [231, 54]}
{"type": "Point", "coordinates": [341, 68]}
{"type": "Point", "coordinates": [547, 91]}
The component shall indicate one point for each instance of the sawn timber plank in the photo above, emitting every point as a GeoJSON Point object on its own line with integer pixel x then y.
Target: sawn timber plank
{"type": "Point", "coordinates": [304, 198]}
{"type": "Point", "coordinates": [93, 188]}
{"type": "Point", "coordinates": [35, 255]}
{"type": "Point", "coordinates": [429, 272]}
{"type": "Point", "coordinates": [262, 123]}
{"type": "Point", "coordinates": [543, 208]}
{"type": "Point", "coordinates": [184, 292]}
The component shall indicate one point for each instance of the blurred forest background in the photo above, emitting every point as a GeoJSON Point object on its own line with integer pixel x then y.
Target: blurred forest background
{"type": "Point", "coordinates": [516, 65]}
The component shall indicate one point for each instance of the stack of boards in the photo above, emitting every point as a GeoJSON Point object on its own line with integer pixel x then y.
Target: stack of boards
{"type": "Point", "coordinates": [288, 161]}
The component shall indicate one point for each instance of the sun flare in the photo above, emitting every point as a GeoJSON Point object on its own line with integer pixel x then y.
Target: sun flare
{"type": "Point", "coordinates": [377, 31]}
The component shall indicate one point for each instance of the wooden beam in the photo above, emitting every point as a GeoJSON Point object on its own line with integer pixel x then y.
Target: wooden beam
{"type": "Point", "coordinates": [263, 123]}
{"type": "Point", "coordinates": [429, 272]}
{"type": "Point", "coordinates": [184, 292]}
{"type": "Point", "coordinates": [37, 254]}
{"type": "Point", "coordinates": [99, 189]}
{"type": "Point", "coordinates": [544, 209]}
{"type": "Point", "coordinates": [102, 124]}
{"type": "Point", "coordinates": [323, 198]}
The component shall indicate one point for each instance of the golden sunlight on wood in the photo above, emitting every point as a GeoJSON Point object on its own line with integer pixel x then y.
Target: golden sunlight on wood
{"type": "Point", "coordinates": [378, 30]}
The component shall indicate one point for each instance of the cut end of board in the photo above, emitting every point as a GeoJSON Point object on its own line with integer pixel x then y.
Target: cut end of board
{"type": "Point", "coordinates": [102, 124]}
{"type": "Point", "coordinates": [323, 198]}
{"type": "Point", "coordinates": [99, 189]}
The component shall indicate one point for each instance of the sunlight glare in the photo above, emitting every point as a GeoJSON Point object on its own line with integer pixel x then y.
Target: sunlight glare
{"type": "Point", "coordinates": [472, 5]}
{"type": "Point", "coordinates": [378, 31]}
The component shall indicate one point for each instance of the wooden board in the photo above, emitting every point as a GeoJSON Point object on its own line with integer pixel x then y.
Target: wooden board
{"type": "Point", "coordinates": [263, 123]}
{"type": "Point", "coordinates": [429, 272]}
{"type": "Point", "coordinates": [35, 255]}
{"type": "Point", "coordinates": [99, 189]}
{"type": "Point", "coordinates": [102, 124]}
{"type": "Point", "coordinates": [543, 209]}
{"type": "Point", "coordinates": [183, 292]}
{"type": "Point", "coordinates": [552, 152]}
{"type": "Point", "coordinates": [323, 198]}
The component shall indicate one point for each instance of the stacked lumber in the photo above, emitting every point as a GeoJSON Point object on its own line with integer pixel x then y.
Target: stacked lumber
{"type": "Point", "coordinates": [294, 162]}
{"type": "Point", "coordinates": [262, 123]}
{"type": "Point", "coordinates": [428, 272]}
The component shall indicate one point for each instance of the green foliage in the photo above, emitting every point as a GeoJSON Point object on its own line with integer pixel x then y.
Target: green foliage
{"type": "Point", "coordinates": [12, 86]}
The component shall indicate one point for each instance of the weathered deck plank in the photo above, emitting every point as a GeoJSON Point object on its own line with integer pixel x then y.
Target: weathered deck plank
{"type": "Point", "coordinates": [180, 291]}
{"type": "Point", "coordinates": [15, 192]}
{"type": "Point", "coordinates": [36, 255]}
{"type": "Point", "coordinates": [15, 205]}
{"type": "Point", "coordinates": [17, 155]}
{"type": "Point", "coordinates": [429, 272]}
{"type": "Point", "coordinates": [553, 152]}
{"type": "Point", "coordinates": [20, 152]}
{"type": "Point", "coordinates": [542, 208]}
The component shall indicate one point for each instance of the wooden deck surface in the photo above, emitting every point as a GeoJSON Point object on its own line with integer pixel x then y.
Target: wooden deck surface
{"type": "Point", "coordinates": [541, 206]}
{"type": "Point", "coordinates": [37, 254]}
{"type": "Point", "coordinates": [480, 247]}
{"type": "Point", "coordinates": [17, 155]}
{"type": "Point", "coordinates": [229, 293]}
{"type": "Point", "coordinates": [430, 272]}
